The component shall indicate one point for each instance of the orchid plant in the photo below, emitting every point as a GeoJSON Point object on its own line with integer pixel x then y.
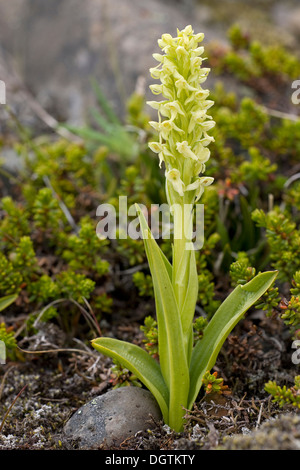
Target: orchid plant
{"type": "Point", "coordinates": [183, 129]}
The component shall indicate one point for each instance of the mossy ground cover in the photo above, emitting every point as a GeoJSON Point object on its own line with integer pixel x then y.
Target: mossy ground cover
{"type": "Point", "coordinates": [71, 286]}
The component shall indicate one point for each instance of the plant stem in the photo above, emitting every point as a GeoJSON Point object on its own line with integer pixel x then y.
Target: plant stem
{"type": "Point", "coordinates": [182, 259]}
{"type": "Point", "coordinates": [178, 252]}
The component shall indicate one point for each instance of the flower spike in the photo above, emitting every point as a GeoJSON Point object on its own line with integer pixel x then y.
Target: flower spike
{"type": "Point", "coordinates": [183, 123]}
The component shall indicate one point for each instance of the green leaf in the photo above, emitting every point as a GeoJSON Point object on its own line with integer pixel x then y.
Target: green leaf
{"type": "Point", "coordinates": [91, 134]}
{"type": "Point", "coordinates": [103, 123]}
{"type": "Point", "coordinates": [140, 363]}
{"type": "Point", "coordinates": [224, 320]}
{"type": "Point", "coordinates": [145, 228]}
{"type": "Point", "coordinates": [7, 300]}
{"type": "Point", "coordinates": [168, 317]}
{"type": "Point", "coordinates": [162, 333]}
{"type": "Point", "coordinates": [172, 352]}
{"type": "Point", "coordinates": [188, 309]}
{"type": "Point", "coordinates": [104, 103]}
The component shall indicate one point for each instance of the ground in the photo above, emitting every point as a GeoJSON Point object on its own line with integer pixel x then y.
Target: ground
{"type": "Point", "coordinates": [53, 371]}
{"type": "Point", "coordinates": [58, 383]}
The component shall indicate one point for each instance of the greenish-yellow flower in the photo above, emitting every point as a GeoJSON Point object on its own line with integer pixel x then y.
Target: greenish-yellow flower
{"type": "Point", "coordinates": [183, 123]}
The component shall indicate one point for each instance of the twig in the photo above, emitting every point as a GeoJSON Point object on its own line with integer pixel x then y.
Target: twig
{"type": "Point", "coordinates": [81, 343]}
{"type": "Point", "coordinates": [288, 182]}
{"type": "Point", "coordinates": [10, 407]}
{"type": "Point", "coordinates": [132, 270]}
{"type": "Point", "coordinates": [89, 316]}
{"type": "Point", "coordinates": [291, 180]}
{"type": "Point", "coordinates": [49, 120]}
{"type": "Point", "coordinates": [57, 301]}
{"type": "Point", "coordinates": [259, 415]}
{"type": "Point", "coordinates": [62, 205]}
{"type": "Point", "coordinates": [3, 380]}
{"type": "Point", "coordinates": [93, 316]}
{"type": "Point", "coordinates": [18, 87]}
{"type": "Point", "coordinates": [280, 114]}
{"type": "Point", "coordinates": [46, 351]}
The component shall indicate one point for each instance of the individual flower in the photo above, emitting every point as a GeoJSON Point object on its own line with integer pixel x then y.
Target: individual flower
{"type": "Point", "coordinates": [174, 177]}
{"type": "Point", "coordinates": [185, 150]}
{"type": "Point", "coordinates": [162, 150]}
{"type": "Point", "coordinates": [198, 185]}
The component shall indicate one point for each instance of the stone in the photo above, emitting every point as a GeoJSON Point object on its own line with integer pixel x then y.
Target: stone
{"type": "Point", "coordinates": [57, 47]}
{"type": "Point", "coordinates": [287, 16]}
{"type": "Point", "coordinates": [111, 418]}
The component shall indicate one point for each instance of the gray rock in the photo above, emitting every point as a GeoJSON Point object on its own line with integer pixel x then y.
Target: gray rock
{"type": "Point", "coordinates": [111, 418]}
{"type": "Point", "coordinates": [53, 49]}
{"type": "Point", "coordinates": [287, 16]}
{"type": "Point", "coordinates": [57, 47]}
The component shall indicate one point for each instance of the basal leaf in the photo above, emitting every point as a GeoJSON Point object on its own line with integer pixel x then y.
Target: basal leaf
{"type": "Point", "coordinates": [226, 317]}
{"type": "Point", "coordinates": [170, 341]}
{"type": "Point", "coordinates": [140, 363]}
{"type": "Point", "coordinates": [188, 309]}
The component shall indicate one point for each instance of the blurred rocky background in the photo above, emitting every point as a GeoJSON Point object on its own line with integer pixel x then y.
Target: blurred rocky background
{"type": "Point", "coordinates": [51, 49]}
